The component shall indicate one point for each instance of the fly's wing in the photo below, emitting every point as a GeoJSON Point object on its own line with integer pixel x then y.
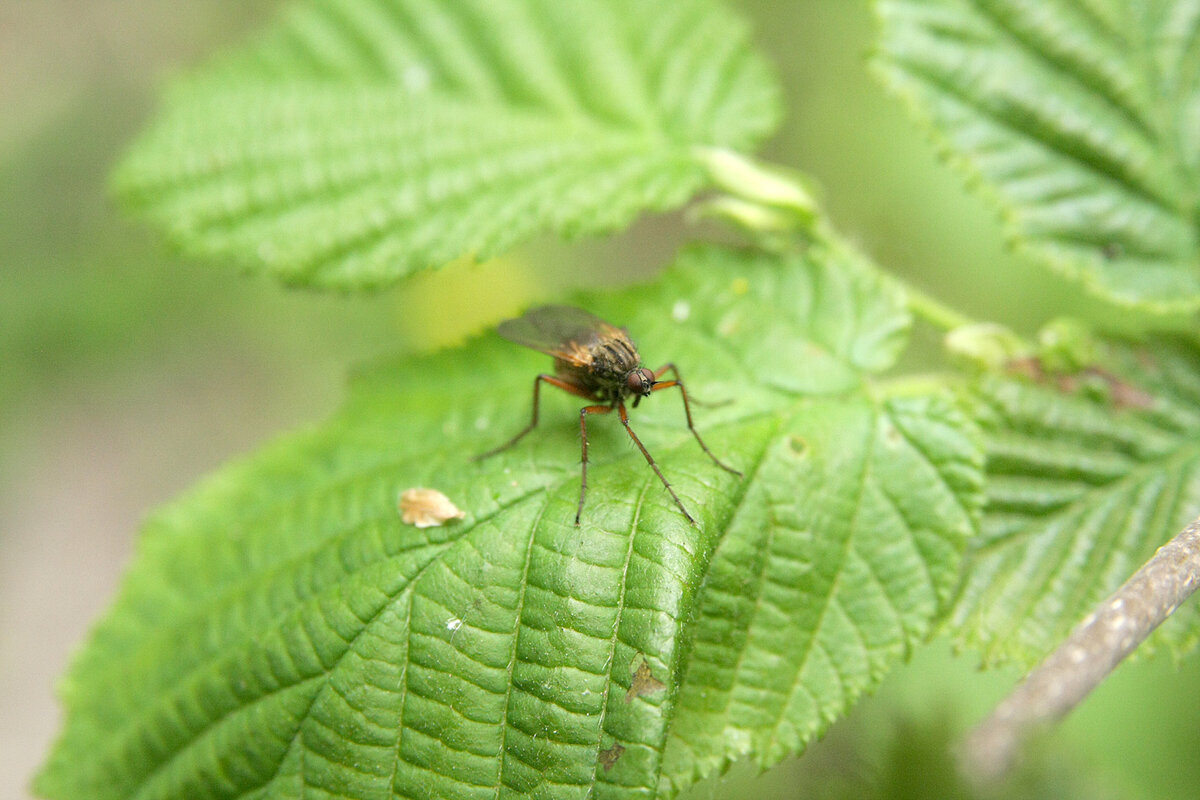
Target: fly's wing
{"type": "Point", "coordinates": [564, 332]}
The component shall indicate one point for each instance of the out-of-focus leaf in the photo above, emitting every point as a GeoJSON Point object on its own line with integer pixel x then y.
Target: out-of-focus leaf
{"type": "Point", "coordinates": [360, 140]}
{"type": "Point", "coordinates": [1080, 119]}
{"type": "Point", "coordinates": [1087, 476]}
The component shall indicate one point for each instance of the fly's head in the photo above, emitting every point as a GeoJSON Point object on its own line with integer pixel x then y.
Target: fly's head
{"type": "Point", "coordinates": [639, 383]}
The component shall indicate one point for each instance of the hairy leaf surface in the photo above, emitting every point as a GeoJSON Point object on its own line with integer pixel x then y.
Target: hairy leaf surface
{"type": "Point", "coordinates": [360, 140]}
{"type": "Point", "coordinates": [1079, 119]}
{"type": "Point", "coordinates": [1087, 477]}
{"type": "Point", "coordinates": [283, 633]}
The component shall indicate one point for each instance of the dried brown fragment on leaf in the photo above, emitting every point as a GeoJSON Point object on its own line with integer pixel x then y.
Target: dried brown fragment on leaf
{"type": "Point", "coordinates": [1123, 393]}
{"type": "Point", "coordinates": [644, 683]}
{"type": "Point", "coordinates": [427, 508]}
{"type": "Point", "coordinates": [609, 757]}
{"type": "Point", "coordinates": [1029, 367]}
{"type": "Point", "coordinates": [1126, 395]}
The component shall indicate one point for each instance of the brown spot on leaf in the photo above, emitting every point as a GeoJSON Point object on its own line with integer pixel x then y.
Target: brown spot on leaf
{"type": "Point", "coordinates": [427, 508]}
{"type": "Point", "coordinates": [1122, 393]}
{"type": "Point", "coordinates": [644, 683]}
{"type": "Point", "coordinates": [1026, 367]}
{"type": "Point", "coordinates": [609, 757]}
{"type": "Point", "coordinates": [1067, 384]}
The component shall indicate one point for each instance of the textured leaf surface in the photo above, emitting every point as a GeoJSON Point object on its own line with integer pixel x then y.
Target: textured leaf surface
{"type": "Point", "coordinates": [839, 562]}
{"type": "Point", "coordinates": [1083, 487]}
{"type": "Point", "coordinates": [360, 140]}
{"type": "Point", "coordinates": [284, 634]}
{"type": "Point", "coordinates": [1081, 119]}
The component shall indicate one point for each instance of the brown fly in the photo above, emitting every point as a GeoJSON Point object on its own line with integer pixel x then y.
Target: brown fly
{"type": "Point", "coordinates": [598, 362]}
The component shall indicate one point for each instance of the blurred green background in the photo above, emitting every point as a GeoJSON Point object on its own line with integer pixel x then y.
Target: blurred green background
{"type": "Point", "coordinates": [126, 373]}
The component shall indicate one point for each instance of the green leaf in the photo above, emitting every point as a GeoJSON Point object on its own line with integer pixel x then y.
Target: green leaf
{"type": "Point", "coordinates": [1080, 121]}
{"type": "Point", "coordinates": [1087, 477]}
{"type": "Point", "coordinates": [360, 140]}
{"type": "Point", "coordinates": [846, 550]}
{"type": "Point", "coordinates": [283, 633]}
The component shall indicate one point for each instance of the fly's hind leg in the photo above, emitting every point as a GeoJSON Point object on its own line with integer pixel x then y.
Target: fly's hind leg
{"type": "Point", "coordinates": [537, 385]}
{"type": "Point", "coordinates": [583, 412]}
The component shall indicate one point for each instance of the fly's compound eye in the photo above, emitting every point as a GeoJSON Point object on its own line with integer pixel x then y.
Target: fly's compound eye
{"type": "Point", "coordinates": [640, 381]}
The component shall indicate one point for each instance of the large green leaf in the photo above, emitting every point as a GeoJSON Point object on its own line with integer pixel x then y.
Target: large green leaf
{"type": "Point", "coordinates": [1080, 119]}
{"type": "Point", "coordinates": [283, 633]}
{"type": "Point", "coordinates": [360, 140]}
{"type": "Point", "coordinates": [844, 553]}
{"type": "Point", "coordinates": [1087, 477]}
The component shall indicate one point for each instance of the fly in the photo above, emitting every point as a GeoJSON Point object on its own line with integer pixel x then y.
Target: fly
{"type": "Point", "coordinates": [595, 360]}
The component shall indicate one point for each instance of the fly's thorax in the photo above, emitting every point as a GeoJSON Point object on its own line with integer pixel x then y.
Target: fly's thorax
{"type": "Point", "coordinates": [614, 358]}
{"type": "Point", "coordinates": [615, 364]}
{"type": "Point", "coordinates": [603, 367]}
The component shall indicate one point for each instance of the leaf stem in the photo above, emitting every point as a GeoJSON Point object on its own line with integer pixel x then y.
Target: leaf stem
{"type": "Point", "coordinates": [1087, 657]}
{"type": "Point", "coordinates": [932, 310]}
{"type": "Point", "coordinates": [768, 198]}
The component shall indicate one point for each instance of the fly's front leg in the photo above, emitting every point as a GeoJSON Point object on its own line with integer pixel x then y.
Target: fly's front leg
{"type": "Point", "coordinates": [670, 367]}
{"type": "Point", "coordinates": [687, 410]}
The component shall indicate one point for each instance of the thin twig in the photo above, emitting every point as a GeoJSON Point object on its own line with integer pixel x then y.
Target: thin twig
{"type": "Point", "coordinates": [1092, 651]}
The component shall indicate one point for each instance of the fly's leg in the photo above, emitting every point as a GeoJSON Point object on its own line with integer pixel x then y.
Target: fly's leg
{"type": "Point", "coordinates": [583, 412]}
{"type": "Point", "coordinates": [687, 410]}
{"type": "Point", "coordinates": [625, 421]}
{"type": "Point", "coordinates": [537, 384]}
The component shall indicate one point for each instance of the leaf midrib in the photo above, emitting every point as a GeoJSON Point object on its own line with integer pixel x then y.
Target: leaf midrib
{"type": "Point", "coordinates": [612, 642]}
{"type": "Point", "coordinates": [1135, 116]}
{"type": "Point", "coordinates": [236, 590]}
{"type": "Point", "coordinates": [1188, 448]}
{"type": "Point", "coordinates": [114, 742]}
{"type": "Point", "coordinates": [512, 657]}
{"type": "Point", "coordinates": [1090, 161]}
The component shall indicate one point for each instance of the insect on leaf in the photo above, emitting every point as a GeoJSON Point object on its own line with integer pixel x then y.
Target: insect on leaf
{"type": "Point", "coordinates": [284, 633]}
